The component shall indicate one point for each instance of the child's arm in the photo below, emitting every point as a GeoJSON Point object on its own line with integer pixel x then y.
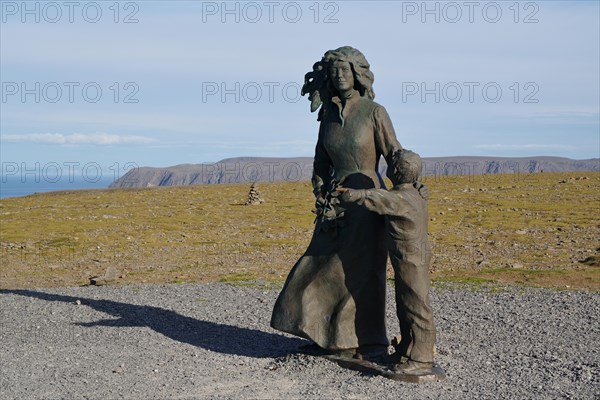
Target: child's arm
{"type": "Point", "coordinates": [381, 201]}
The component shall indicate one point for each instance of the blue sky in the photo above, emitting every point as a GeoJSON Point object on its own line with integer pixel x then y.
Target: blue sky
{"type": "Point", "coordinates": [192, 81]}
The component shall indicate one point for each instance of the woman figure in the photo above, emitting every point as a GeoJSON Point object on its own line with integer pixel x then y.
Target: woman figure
{"type": "Point", "coordinates": [335, 294]}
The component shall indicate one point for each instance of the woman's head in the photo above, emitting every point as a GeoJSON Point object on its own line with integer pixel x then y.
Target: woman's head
{"type": "Point", "coordinates": [363, 77]}
{"type": "Point", "coordinates": [318, 83]}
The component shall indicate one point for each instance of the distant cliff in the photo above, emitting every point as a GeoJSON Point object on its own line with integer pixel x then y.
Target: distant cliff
{"type": "Point", "coordinates": [263, 169]}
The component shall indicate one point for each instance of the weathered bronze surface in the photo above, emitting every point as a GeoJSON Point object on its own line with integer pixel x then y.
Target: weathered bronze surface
{"type": "Point", "coordinates": [435, 374]}
{"type": "Point", "coordinates": [335, 293]}
{"type": "Point", "coordinates": [406, 215]}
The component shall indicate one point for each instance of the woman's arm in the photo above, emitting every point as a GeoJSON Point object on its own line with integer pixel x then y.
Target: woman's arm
{"type": "Point", "coordinates": [322, 165]}
{"type": "Point", "coordinates": [386, 142]}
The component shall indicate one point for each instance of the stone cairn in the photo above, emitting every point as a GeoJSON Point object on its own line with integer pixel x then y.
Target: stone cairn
{"type": "Point", "coordinates": [254, 196]}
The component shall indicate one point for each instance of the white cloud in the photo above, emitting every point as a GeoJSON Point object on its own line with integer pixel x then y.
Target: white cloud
{"type": "Point", "coordinates": [100, 139]}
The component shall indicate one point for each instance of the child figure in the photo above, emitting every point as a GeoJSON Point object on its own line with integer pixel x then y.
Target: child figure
{"type": "Point", "coordinates": [406, 221]}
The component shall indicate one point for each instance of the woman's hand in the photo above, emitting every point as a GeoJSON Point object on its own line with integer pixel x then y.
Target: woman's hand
{"type": "Point", "coordinates": [348, 195]}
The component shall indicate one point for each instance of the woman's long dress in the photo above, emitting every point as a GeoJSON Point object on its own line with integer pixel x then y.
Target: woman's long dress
{"type": "Point", "coordinates": [335, 293]}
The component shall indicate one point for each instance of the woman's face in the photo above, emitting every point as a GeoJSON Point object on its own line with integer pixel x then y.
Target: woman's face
{"type": "Point", "coordinates": [341, 76]}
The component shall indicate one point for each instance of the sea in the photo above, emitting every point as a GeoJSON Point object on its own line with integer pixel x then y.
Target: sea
{"type": "Point", "coordinates": [11, 186]}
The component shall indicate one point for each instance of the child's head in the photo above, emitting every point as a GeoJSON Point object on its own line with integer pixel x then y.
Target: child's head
{"type": "Point", "coordinates": [406, 167]}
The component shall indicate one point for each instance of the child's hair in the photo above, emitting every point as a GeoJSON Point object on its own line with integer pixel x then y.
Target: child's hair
{"type": "Point", "coordinates": [406, 168]}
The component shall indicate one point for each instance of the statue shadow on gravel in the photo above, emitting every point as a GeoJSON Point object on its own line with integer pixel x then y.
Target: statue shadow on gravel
{"type": "Point", "coordinates": [212, 336]}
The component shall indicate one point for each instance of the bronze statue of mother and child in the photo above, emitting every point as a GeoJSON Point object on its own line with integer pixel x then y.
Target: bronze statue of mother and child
{"type": "Point", "coordinates": [334, 295]}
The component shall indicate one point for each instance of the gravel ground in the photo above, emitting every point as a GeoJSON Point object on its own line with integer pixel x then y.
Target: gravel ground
{"type": "Point", "coordinates": [214, 340]}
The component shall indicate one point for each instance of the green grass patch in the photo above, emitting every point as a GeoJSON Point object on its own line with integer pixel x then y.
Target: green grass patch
{"type": "Point", "coordinates": [202, 233]}
{"type": "Point", "coordinates": [242, 279]}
